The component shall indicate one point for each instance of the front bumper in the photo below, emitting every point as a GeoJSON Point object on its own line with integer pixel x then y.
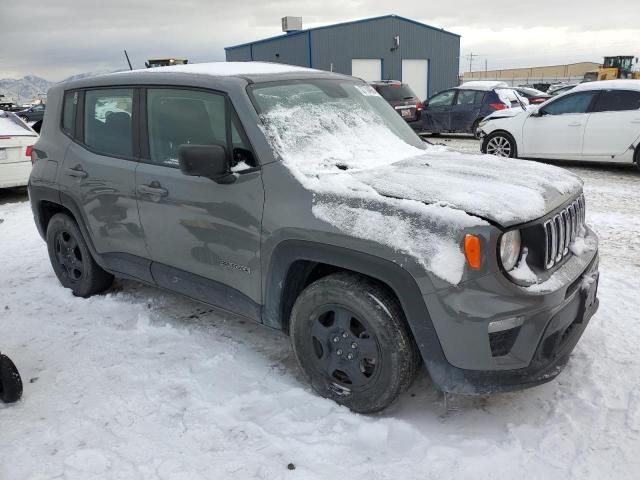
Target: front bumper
{"type": "Point", "coordinates": [551, 356]}
{"type": "Point", "coordinates": [529, 354]}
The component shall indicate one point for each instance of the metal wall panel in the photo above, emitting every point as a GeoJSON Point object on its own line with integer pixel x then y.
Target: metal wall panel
{"type": "Point", "coordinates": [333, 47]}
{"type": "Point", "coordinates": [239, 54]}
{"type": "Point", "coordinates": [292, 50]}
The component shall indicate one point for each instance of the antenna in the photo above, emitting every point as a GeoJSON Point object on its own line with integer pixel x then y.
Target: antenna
{"type": "Point", "coordinates": [128, 61]}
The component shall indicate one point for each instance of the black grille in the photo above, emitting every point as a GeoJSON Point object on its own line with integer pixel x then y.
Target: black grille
{"type": "Point", "coordinates": [561, 230]}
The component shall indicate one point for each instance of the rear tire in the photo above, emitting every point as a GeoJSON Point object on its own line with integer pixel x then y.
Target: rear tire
{"type": "Point", "coordinates": [500, 144]}
{"type": "Point", "coordinates": [474, 129]}
{"type": "Point", "coordinates": [71, 260]}
{"type": "Point", "coordinates": [10, 381]}
{"type": "Point", "coordinates": [349, 337]}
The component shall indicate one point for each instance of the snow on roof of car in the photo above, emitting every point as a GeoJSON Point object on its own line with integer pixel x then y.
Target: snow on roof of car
{"type": "Point", "coordinates": [608, 85]}
{"type": "Point", "coordinates": [484, 85]}
{"type": "Point", "coordinates": [227, 69]}
{"type": "Point", "coordinates": [11, 125]}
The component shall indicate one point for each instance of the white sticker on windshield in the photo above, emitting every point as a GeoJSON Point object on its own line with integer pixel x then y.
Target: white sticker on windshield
{"type": "Point", "coordinates": [367, 90]}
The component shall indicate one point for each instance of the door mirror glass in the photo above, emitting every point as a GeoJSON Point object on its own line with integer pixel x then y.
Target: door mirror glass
{"type": "Point", "coordinates": [203, 161]}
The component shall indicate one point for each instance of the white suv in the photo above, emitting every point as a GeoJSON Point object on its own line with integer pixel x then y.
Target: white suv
{"type": "Point", "coordinates": [596, 121]}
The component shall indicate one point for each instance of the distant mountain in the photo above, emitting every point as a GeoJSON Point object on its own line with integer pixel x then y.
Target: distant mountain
{"type": "Point", "coordinates": [24, 90]}
{"type": "Point", "coordinates": [30, 88]}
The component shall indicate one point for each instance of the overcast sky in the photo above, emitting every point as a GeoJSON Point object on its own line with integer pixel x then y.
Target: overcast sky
{"type": "Point", "coordinates": [58, 38]}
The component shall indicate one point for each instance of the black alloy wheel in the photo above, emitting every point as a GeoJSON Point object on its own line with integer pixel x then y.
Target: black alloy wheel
{"type": "Point", "coordinates": [69, 255]}
{"type": "Point", "coordinates": [346, 350]}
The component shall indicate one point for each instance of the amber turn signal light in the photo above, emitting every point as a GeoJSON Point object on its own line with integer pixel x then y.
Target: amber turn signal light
{"type": "Point", "coordinates": [473, 251]}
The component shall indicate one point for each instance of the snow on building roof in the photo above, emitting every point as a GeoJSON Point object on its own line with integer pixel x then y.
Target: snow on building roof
{"type": "Point", "coordinates": [608, 85]}
{"type": "Point", "coordinates": [484, 85]}
{"type": "Point", "coordinates": [227, 69]}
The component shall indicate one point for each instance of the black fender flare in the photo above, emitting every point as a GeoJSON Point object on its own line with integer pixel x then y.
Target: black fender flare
{"type": "Point", "coordinates": [391, 274]}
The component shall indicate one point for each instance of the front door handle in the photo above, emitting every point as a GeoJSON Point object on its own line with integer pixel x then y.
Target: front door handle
{"type": "Point", "coordinates": [154, 190]}
{"type": "Point", "coordinates": [76, 171]}
{"type": "Point", "coordinates": [635, 120]}
{"type": "Point", "coordinates": [575, 124]}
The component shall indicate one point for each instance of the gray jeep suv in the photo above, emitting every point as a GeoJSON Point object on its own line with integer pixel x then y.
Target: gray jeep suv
{"type": "Point", "coordinates": [301, 200]}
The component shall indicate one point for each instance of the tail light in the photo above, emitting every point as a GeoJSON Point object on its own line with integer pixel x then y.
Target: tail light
{"type": "Point", "coordinates": [498, 106]}
{"type": "Point", "coordinates": [419, 106]}
{"type": "Point", "coordinates": [28, 152]}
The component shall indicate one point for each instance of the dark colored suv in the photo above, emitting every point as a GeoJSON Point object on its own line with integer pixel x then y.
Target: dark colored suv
{"type": "Point", "coordinates": [461, 109]}
{"type": "Point", "coordinates": [402, 99]}
{"type": "Point", "coordinates": [32, 114]}
{"type": "Point", "coordinates": [301, 200]}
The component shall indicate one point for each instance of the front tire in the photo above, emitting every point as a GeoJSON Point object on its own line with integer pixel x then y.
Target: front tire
{"type": "Point", "coordinates": [500, 144]}
{"type": "Point", "coordinates": [71, 260]}
{"type": "Point", "coordinates": [349, 336]}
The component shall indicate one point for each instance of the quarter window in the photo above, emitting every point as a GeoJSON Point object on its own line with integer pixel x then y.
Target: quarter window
{"type": "Point", "coordinates": [107, 121]}
{"type": "Point", "coordinates": [574, 103]}
{"type": "Point", "coordinates": [190, 117]}
{"type": "Point", "coordinates": [442, 99]}
{"type": "Point", "coordinates": [617, 101]}
{"type": "Point", "coordinates": [69, 111]}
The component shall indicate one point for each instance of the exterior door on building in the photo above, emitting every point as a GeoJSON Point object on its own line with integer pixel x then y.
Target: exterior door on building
{"type": "Point", "coordinates": [368, 69]}
{"type": "Point", "coordinates": [415, 73]}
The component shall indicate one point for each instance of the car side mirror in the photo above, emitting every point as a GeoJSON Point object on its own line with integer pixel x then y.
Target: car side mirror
{"type": "Point", "coordinates": [208, 161]}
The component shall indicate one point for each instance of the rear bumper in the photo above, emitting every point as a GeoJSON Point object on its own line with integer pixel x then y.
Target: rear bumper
{"type": "Point", "coordinates": [14, 174]}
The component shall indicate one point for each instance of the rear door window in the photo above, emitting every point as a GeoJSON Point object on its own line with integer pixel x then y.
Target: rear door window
{"type": "Point", "coordinates": [573, 103]}
{"type": "Point", "coordinates": [442, 99]}
{"type": "Point", "coordinates": [108, 126]}
{"type": "Point", "coordinates": [617, 101]}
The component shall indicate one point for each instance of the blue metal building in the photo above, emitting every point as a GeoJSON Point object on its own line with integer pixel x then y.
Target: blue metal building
{"type": "Point", "coordinates": [381, 48]}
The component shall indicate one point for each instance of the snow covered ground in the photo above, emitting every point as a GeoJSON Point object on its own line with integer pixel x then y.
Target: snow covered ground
{"type": "Point", "coordinates": [139, 383]}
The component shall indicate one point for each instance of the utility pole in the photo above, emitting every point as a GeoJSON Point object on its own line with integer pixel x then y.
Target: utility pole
{"type": "Point", "coordinates": [470, 57]}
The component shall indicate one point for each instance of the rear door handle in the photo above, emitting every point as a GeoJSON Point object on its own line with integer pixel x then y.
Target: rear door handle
{"type": "Point", "coordinates": [154, 189]}
{"type": "Point", "coordinates": [636, 120]}
{"type": "Point", "coordinates": [76, 171]}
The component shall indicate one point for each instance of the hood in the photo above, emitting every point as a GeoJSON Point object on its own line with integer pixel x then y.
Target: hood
{"type": "Point", "coordinates": [503, 191]}
{"type": "Point", "coordinates": [508, 113]}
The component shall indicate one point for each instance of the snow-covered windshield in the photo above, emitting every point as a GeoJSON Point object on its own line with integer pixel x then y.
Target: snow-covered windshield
{"type": "Point", "coordinates": [332, 125]}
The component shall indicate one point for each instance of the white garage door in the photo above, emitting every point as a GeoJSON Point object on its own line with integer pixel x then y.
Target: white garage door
{"type": "Point", "coordinates": [416, 74]}
{"type": "Point", "coordinates": [368, 69]}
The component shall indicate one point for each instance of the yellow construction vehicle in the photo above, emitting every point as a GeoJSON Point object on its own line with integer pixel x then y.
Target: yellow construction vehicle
{"type": "Point", "coordinates": [165, 62]}
{"type": "Point", "coordinates": [621, 66]}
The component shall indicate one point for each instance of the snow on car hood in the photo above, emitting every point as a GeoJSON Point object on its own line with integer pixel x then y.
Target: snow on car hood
{"type": "Point", "coordinates": [371, 184]}
{"type": "Point", "coordinates": [505, 191]}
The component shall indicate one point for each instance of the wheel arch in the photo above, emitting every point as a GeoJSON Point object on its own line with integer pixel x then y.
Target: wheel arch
{"type": "Point", "coordinates": [294, 264]}
{"type": "Point", "coordinates": [46, 202]}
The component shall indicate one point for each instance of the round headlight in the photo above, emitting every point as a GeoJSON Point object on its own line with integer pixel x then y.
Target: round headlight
{"type": "Point", "coordinates": [510, 249]}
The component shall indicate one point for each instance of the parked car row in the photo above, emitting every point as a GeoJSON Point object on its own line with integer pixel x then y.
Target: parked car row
{"type": "Point", "coordinates": [457, 110]}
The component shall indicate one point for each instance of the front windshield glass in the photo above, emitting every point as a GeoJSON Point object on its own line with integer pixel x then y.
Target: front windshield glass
{"type": "Point", "coordinates": [328, 124]}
